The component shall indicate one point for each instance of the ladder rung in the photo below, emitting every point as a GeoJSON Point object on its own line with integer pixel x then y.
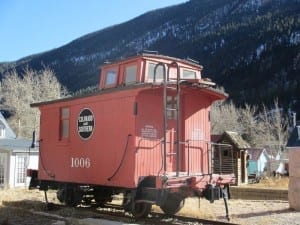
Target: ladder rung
{"type": "Point", "coordinates": [171, 109]}
{"type": "Point", "coordinates": [157, 83]}
{"type": "Point", "coordinates": [171, 142]}
{"type": "Point", "coordinates": [172, 88]}
{"type": "Point", "coordinates": [171, 130]}
{"type": "Point", "coordinates": [180, 142]}
{"type": "Point", "coordinates": [173, 153]}
{"type": "Point", "coordinates": [172, 81]}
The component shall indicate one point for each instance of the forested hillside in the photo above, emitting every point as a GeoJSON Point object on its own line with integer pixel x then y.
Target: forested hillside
{"type": "Point", "coordinates": [251, 47]}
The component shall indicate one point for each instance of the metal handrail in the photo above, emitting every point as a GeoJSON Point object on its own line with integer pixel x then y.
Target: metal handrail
{"type": "Point", "coordinates": [178, 114]}
{"type": "Point", "coordinates": [164, 119]}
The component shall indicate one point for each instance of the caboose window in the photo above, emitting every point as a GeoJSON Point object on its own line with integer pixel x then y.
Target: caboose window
{"type": "Point", "coordinates": [171, 105]}
{"type": "Point", "coordinates": [130, 74]}
{"type": "Point", "coordinates": [159, 72]}
{"type": "Point", "coordinates": [64, 123]}
{"type": "Point", "coordinates": [188, 74]}
{"type": "Point", "coordinates": [111, 77]}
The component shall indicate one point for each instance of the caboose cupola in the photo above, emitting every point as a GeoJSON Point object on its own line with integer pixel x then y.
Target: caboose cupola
{"type": "Point", "coordinates": [140, 69]}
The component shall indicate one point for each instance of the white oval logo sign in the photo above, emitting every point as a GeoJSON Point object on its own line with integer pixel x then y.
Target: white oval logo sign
{"type": "Point", "coordinates": [85, 123]}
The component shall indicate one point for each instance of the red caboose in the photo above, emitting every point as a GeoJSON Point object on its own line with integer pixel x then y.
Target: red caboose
{"type": "Point", "coordinates": [145, 133]}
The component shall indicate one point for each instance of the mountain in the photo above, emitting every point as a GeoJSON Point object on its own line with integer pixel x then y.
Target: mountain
{"type": "Point", "coordinates": [251, 47]}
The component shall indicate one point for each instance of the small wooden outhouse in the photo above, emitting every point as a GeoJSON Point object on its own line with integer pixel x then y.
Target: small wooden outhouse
{"type": "Point", "coordinates": [239, 155]}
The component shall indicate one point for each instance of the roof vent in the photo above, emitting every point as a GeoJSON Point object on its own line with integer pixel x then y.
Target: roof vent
{"type": "Point", "coordinates": [150, 52]}
{"type": "Point", "coordinates": [192, 60]}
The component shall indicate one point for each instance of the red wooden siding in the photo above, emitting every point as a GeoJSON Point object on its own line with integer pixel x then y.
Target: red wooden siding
{"type": "Point", "coordinates": [104, 149]}
{"type": "Point", "coordinates": [149, 133]}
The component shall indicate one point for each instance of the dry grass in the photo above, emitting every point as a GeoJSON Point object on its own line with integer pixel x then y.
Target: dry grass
{"type": "Point", "coordinates": [20, 207]}
{"type": "Point", "coordinates": [15, 205]}
{"type": "Point", "coordinates": [194, 207]}
{"type": "Point", "coordinates": [244, 212]}
{"type": "Point", "coordinates": [272, 182]}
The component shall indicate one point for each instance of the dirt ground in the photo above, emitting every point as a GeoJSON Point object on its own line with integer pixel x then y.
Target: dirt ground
{"type": "Point", "coordinates": [17, 207]}
{"type": "Point", "coordinates": [248, 212]}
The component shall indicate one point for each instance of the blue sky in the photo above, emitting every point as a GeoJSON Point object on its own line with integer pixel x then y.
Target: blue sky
{"type": "Point", "coordinates": [33, 26]}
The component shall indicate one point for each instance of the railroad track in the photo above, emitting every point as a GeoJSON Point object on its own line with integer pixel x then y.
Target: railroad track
{"type": "Point", "coordinates": [189, 220]}
{"type": "Point", "coordinates": [155, 218]}
{"type": "Point", "coordinates": [120, 215]}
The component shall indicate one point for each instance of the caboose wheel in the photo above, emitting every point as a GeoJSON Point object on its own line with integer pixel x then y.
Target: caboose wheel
{"type": "Point", "coordinates": [102, 196]}
{"type": "Point", "coordinates": [172, 205]}
{"type": "Point", "coordinates": [141, 210]}
{"type": "Point", "coordinates": [60, 194]}
{"type": "Point", "coordinates": [74, 197]}
{"type": "Point", "coordinates": [71, 196]}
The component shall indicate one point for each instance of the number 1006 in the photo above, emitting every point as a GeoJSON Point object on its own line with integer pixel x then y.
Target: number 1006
{"type": "Point", "coordinates": [80, 162]}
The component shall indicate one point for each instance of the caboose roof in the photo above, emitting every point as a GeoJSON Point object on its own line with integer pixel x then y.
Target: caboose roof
{"type": "Point", "coordinates": [199, 83]}
{"type": "Point", "coordinates": [205, 89]}
{"type": "Point", "coordinates": [187, 61]}
{"type": "Point", "coordinates": [95, 93]}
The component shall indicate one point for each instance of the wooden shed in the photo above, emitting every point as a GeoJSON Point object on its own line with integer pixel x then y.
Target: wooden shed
{"type": "Point", "coordinates": [237, 157]}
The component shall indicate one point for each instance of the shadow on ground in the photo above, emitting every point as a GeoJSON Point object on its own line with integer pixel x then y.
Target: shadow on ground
{"type": "Point", "coordinates": [264, 213]}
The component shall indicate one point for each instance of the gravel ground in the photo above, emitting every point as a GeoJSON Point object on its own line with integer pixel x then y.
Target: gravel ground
{"type": "Point", "coordinates": [15, 206]}
{"type": "Point", "coordinates": [249, 212]}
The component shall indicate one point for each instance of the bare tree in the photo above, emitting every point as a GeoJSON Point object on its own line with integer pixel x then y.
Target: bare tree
{"type": "Point", "coordinates": [267, 127]}
{"type": "Point", "coordinates": [225, 117]}
{"type": "Point", "coordinates": [18, 91]}
{"type": "Point", "coordinates": [275, 125]}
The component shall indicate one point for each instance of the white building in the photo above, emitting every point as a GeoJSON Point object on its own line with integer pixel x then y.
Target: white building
{"type": "Point", "coordinates": [16, 156]}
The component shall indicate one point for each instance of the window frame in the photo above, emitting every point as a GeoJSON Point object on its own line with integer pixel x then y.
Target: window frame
{"type": "Point", "coordinates": [107, 76]}
{"type": "Point", "coordinates": [172, 104]}
{"type": "Point", "coordinates": [21, 166]}
{"type": "Point", "coordinates": [106, 73]}
{"type": "Point", "coordinates": [135, 75]}
{"type": "Point", "coordinates": [188, 70]}
{"type": "Point", "coordinates": [150, 76]}
{"type": "Point", "coordinates": [64, 125]}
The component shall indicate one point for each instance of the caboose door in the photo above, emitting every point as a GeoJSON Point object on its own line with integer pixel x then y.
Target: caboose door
{"type": "Point", "coordinates": [173, 135]}
{"type": "Point", "coordinates": [150, 133]}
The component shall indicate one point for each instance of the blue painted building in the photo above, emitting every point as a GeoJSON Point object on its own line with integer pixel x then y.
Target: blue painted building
{"type": "Point", "coordinates": [257, 160]}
